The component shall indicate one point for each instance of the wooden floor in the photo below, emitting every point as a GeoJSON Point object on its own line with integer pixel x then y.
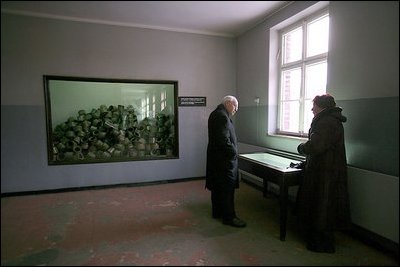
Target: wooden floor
{"type": "Point", "coordinates": [162, 224]}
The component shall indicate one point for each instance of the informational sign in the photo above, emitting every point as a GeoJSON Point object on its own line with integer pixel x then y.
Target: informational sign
{"type": "Point", "coordinates": [190, 101]}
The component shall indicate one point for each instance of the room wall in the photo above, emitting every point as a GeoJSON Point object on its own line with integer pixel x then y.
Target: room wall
{"type": "Point", "coordinates": [32, 47]}
{"type": "Point", "coordinates": [363, 76]}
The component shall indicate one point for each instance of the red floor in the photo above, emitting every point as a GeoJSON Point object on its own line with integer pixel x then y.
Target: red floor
{"type": "Point", "coordinates": [165, 224]}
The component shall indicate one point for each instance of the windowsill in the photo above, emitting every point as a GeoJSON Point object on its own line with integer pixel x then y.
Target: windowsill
{"type": "Point", "coordinates": [288, 137]}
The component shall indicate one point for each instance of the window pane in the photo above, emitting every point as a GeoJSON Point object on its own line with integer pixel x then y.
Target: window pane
{"type": "Point", "coordinates": [315, 79]}
{"type": "Point", "coordinates": [292, 45]}
{"type": "Point", "coordinates": [291, 83]}
{"type": "Point", "coordinates": [318, 36]}
{"type": "Point", "coordinates": [290, 116]}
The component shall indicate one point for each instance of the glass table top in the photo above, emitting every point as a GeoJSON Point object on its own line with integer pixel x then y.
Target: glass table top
{"type": "Point", "coordinates": [274, 161]}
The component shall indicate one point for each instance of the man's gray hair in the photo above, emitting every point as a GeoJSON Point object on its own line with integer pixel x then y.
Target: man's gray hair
{"type": "Point", "coordinates": [229, 98]}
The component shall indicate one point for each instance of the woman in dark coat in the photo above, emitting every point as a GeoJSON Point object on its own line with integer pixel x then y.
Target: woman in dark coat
{"type": "Point", "coordinates": [322, 200]}
{"type": "Point", "coordinates": [222, 162]}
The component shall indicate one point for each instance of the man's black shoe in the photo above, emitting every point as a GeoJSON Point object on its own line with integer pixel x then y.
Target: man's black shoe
{"type": "Point", "coordinates": [235, 222]}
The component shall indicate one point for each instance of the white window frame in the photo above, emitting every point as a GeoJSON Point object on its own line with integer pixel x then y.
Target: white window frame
{"type": "Point", "coordinates": [305, 61]}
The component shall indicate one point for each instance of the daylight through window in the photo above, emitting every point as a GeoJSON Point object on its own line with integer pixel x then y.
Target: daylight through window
{"type": "Point", "coordinates": [303, 72]}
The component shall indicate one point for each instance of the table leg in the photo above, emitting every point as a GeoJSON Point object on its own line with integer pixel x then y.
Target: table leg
{"type": "Point", "coordinates": [283, 196]}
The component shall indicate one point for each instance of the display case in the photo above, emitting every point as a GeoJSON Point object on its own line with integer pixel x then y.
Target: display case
{"type": "Point", "coordinates": [95, 120]}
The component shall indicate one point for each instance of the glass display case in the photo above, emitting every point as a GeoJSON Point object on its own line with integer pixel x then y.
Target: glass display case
{"type": "Point", "coordinates": [94, 120]}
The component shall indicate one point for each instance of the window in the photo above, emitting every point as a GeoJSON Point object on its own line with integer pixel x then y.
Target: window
{"type": "Point", "coordinates": [302, 72]}
{"type": "Point", "coordinates": [163, 101]}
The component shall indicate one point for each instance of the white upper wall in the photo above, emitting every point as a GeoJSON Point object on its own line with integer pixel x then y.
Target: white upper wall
{"type": "Point", "coordinates": [32, 47]}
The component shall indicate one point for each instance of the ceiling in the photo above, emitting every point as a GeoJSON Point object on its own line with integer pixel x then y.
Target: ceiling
{"type": "Point", "coordinates": [220, 18]}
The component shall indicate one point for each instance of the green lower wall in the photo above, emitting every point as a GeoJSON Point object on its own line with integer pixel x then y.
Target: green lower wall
{"type": "Point", "coordinates": [371, 132]}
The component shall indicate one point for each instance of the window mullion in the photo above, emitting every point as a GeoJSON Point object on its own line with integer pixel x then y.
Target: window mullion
{"type": "Point", "coordinates": [292, 65]}
{"type": "Point", "coordinates": [302, 98]}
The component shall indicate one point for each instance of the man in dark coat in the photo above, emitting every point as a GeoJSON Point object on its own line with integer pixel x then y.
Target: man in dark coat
{"type": "Point", "coordinates": [322, 200]}
{"type": "Point", "coordinates": [222, 162]}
